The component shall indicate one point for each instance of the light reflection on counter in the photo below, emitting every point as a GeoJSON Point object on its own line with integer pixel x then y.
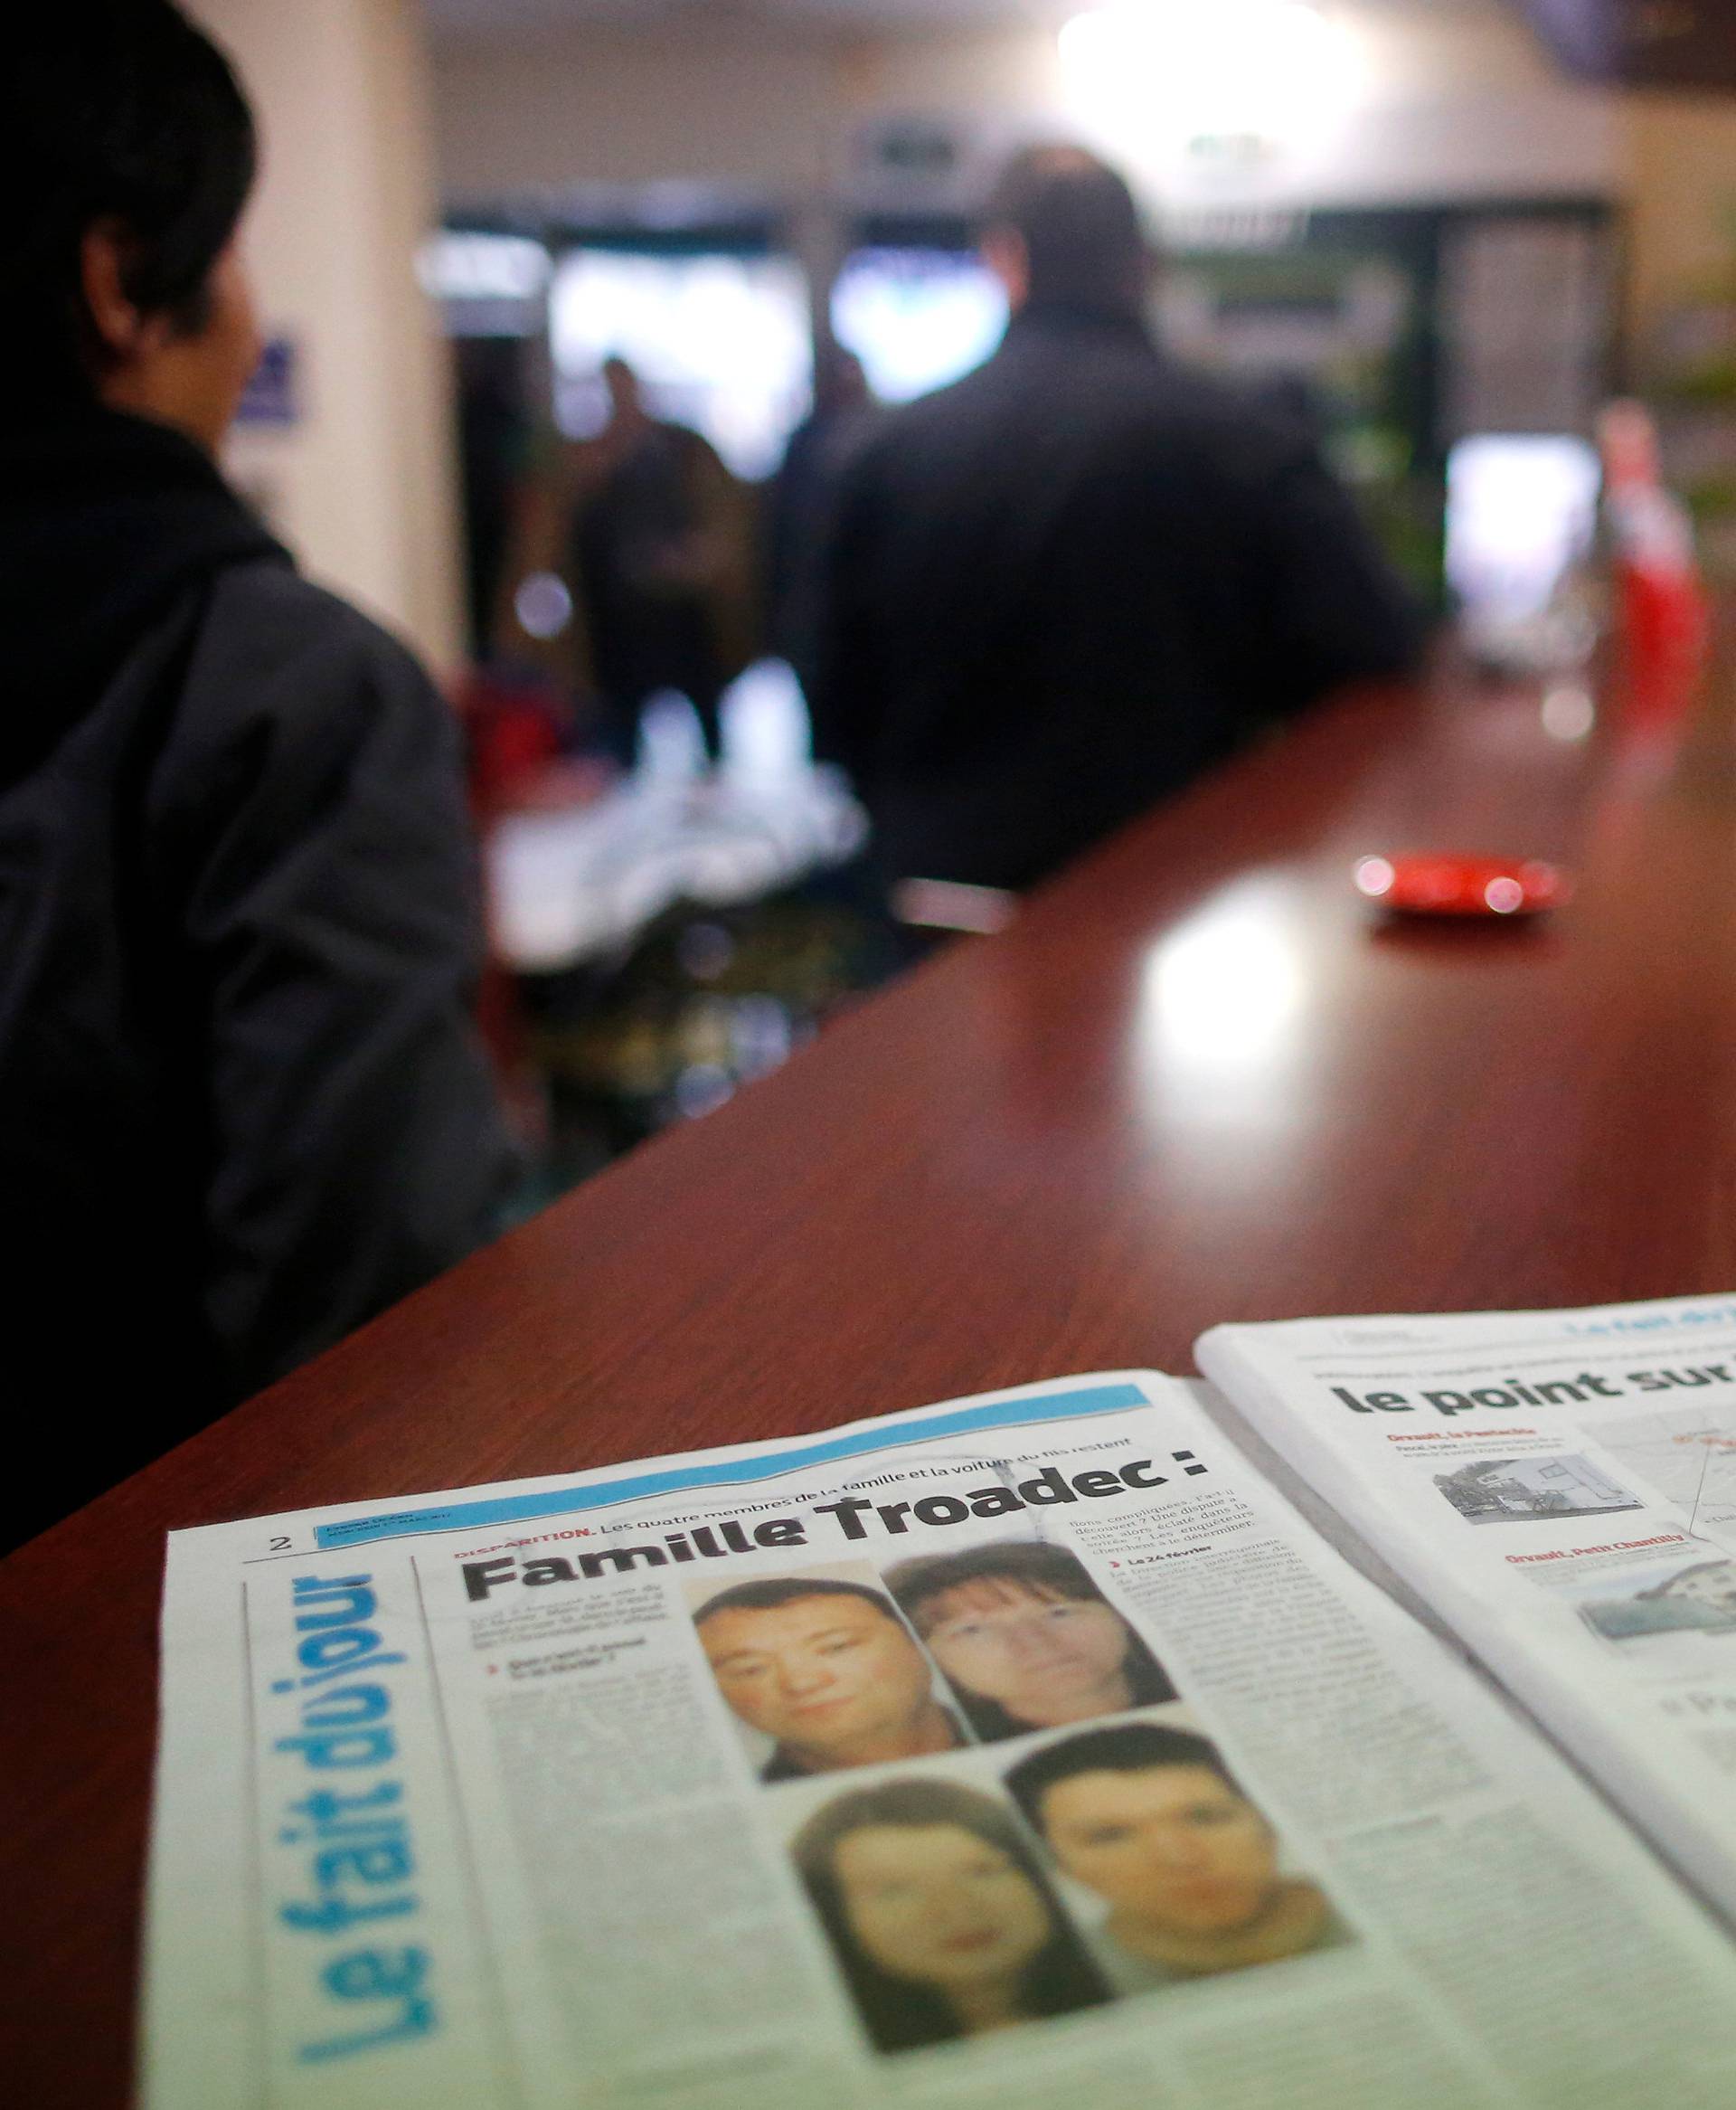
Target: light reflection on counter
{"type": "Point", "coordinates": [1222, 1006]}
{"type": "Point", "coordinates": [1569, 711]}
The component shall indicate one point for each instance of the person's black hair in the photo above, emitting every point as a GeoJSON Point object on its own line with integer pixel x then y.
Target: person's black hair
{"type": "Point", "coordinates": [115, 111]}
{"type": "Point", "coordinates": [1124, 1747]}
{"type": "Point", "coordinates": [775, 1590]}
{"type": "Point", "coordinates": [1031, 1564]}
{"type": "Point", "coordinates": [899, 2013]}
{"type": "Point", "coordinates": [1026, 1563]}
{"type": "Point", "coordinates": [1084, 244]}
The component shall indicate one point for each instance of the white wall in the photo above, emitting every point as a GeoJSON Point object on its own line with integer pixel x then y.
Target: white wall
{"type": "Point", "coordinates": [363, 487]}
{"type": "Point", "coordinates": [593, 104]}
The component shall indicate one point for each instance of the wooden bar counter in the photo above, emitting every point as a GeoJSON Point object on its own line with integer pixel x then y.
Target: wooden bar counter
{"type": "Point", "coordinates": [1198, 1079]}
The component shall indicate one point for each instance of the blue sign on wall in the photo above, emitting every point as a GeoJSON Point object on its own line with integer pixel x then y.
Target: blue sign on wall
{"type": "Point", "coordinates": [272, 397]}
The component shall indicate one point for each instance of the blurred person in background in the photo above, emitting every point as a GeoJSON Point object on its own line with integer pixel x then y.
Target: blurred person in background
{"type": "Point", "coordinates": [1062, 586]}
{"type": "Point", "coordinates": [241, 1104]}
{"type": "Point", "coordinates": [659, 557]}
{"type": "Point", "coordinates": [803, 495]}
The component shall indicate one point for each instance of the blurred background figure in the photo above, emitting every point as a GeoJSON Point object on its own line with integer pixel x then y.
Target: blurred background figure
{"type": "Point", "coordinates": [241, 1104]}
{"type": "Point", "coordinates": [1431, 241]}
{"type": "Point", "coordinates": [656, 554]}
{"type": "Point", "coordinates": [1062, 586]}
{"type": "Point", "coordinates": [800, 503]}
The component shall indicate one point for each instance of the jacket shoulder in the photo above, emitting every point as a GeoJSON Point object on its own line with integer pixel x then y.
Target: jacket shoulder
{"type": "Point", "coordinates": [275, 655]}
{"type": "Point", "coordinates": [288, 690]}
{"type": "Point", "coordinates": [1173, 405]}
{"type": "Point", "coordinates": [267, 619]}
{"type": "Point", "coordinates": [1120, 398]}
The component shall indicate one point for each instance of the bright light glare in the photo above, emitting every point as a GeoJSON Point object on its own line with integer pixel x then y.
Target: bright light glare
{"type": "Point", "coordinates": [542, 605]}
{"type": "Point", "coordinates": [916, 318]}
{"type": "Point", "coordinates": [1569, 714]}
{"type": "Point", "coordinates": [1226, 991]}
{"type": "Point", "coordinates": [1193, 69]}
{"type": "Point", "coordinates": [1504, 895]}
{"type": "Point", "coordinates": [764, 715]}
{"type": "Point", "coordinates": [721, 343]}
{"type": "Point", "coordinates": [1522, 508]}
{"type": "Point", "coordinates": [482, 267]}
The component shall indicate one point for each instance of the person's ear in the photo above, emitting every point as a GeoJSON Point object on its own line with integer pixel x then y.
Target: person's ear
{"type": "Point", "coordinates": [1005, 254]}
{"type": "Point", "coordinates": [122, 331]}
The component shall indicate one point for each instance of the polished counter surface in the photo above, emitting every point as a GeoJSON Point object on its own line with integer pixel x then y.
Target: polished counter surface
{"type": "Point", "coordinates": [1198, 1079]}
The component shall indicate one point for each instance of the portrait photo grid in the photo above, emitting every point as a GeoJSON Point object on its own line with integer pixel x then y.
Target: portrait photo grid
{"type": "Point", "coordinates": [998, 1803]}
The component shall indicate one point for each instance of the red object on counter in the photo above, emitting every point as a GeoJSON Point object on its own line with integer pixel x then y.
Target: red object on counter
{"type": "Point", "coordinates": [1443, 886]}
{"type": "Point", "coordinates": [1663, 611]}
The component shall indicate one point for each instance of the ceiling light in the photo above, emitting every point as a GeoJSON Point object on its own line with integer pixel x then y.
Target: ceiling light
{"type": "Point", "coordinates": [1180, 72]}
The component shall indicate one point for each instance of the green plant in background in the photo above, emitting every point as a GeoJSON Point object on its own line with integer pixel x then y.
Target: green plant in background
{"type": "Point", "coordinates": [1689, 378]}
{"type": "Point", "coordinates": [1335, 330]}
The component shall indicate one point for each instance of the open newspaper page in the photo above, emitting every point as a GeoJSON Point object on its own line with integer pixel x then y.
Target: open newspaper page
{"type": "Point", "coordinates": [1561, 1486]}
{"type": "Point", "coordinates": [1021, 1750]}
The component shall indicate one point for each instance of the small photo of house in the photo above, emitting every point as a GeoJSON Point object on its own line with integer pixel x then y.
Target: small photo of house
{"type": "Point", "coordinates": [1698, 1599]}
{"type": "Point", "coordinates": [1520, 1490]}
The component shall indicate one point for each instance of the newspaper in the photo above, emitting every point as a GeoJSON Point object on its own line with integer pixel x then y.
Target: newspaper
{"type": "Point", "coordinates": [1561, 1488]}
{"type": "Point", "coordinates": [1020, 1750]}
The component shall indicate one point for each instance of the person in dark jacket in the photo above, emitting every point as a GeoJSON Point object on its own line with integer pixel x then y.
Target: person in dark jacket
{"type": "Point", "coordinates": [241, 1106]}
{"type": "Point", "coordinates": [657, 553]}
{"type": "Point", "coordinates": [1064, 585]}
{"type": "Point", "coordinates": [801, 499]}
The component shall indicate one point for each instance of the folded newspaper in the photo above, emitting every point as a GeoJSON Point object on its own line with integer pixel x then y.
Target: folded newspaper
{"type": "Point", "coordinates": [1025, 1749]}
